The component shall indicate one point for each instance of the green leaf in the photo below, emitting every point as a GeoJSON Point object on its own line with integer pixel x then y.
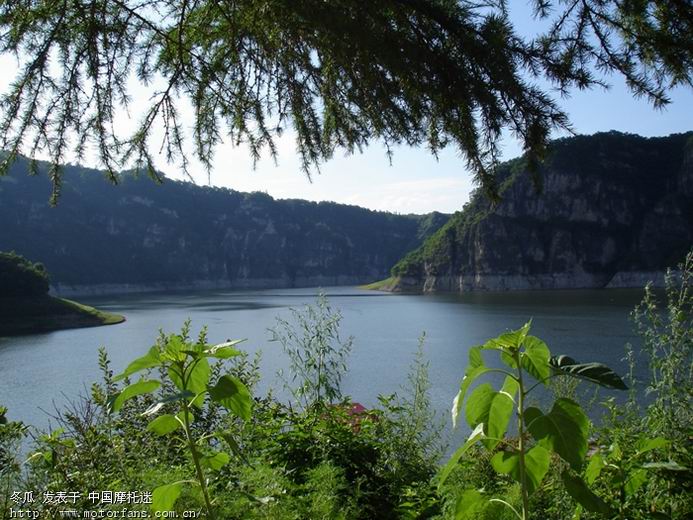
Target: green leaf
{"type": "Point", "coordinates": [231, 441]}
{"type": "Point", "coordinates": [475, 369]}
{"type": "Point", "coordinates": [469, 505]}
{"type": "Point", "coordinates": [666, 466]}
{"type": "Point", "coordinates": [224, 350]}
{"type": "Point", "coordinates": [150, 360]}
{"type": "Point", "coordinates": [215, 461]}
{"type": "Point", "coordinates": [509, 341]}
{"type": "Point", "coordinates": [180, 396]}
{"type": "Point", "coordinates": [164, 497]}
{"type": "Point", "coordinates": [564, 430]}
{"type": "Point", "coordinates": [479, 404]}
{"type": "Point", "coordinates": [233, 395]}
{"type": "Point", "coordinates": [535, 358]}
{"type": "Point", "coordinates": [475, 358]}
{"type": "Point", "coordinates": [508, 359]}
{"type": "Point", "coordinates": [646, 445]}
{"type": "Point", "coordinates": [635, 481]}
{"type": "Point", "coordinates": [196, 377]}
{"type": "Point", "coordinates": [503, 343]}
{"type": "Point", "coordinates": [536, 465]}
{"type": "Point", "coordinates": [173, 350]}
{"type": "Point", "coordinates": [502, 406]}
{"type": "Point", "coordinates": [163, 424]}
{"type": "Point", "coordinates": [594, 468]}
{"type": "Point", "coordinates": [182, 416]}
{"type": "Point", "coordinates": [492, 409]}
{"type": "Point", "coordinates": [475, 436]}
{"type": "Point", "coordinates": [594, 372]}
{"type": "Point", "coordinates": [577, 489]}
{"type": "Point", "coordinates": [175, 376]}
{"type": "Point", "coordinates": [133, 390]}
{"type": "Point", "coordinates": [198, 380]}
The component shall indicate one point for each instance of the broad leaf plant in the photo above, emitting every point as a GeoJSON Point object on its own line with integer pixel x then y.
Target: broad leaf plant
{"type": "Point", "coordinates": [186, 365]}
{"type": "Point", "coordinates": [526, 456]}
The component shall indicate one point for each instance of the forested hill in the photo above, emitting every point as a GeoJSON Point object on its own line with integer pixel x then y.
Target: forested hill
{"type": "Point", "coordinates": [139, 234]}
{"type": "Point", "coordinates": [615, 211]}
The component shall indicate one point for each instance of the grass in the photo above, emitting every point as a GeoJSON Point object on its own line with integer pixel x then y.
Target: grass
{"type": "Point", "coordinates": [106, 318]}
{"type": "Point", "coordinates": [47, 313]}
{"type": "Point", "coordinates": [382, 285]}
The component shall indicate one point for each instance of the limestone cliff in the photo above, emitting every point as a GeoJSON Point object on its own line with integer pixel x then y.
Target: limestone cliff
{"type": "Point", "coordinates": [615, 210]}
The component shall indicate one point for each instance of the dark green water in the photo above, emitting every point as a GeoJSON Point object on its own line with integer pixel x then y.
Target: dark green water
{"type": "Point", "coordinates": [43, 370]}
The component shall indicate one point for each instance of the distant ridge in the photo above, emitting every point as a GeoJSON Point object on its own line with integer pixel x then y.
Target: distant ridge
{"type": "Point", "coordinates": [142, 236]}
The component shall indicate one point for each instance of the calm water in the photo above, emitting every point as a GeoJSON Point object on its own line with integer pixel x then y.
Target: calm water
{"type": "Point", "coordinates": [41, 371]}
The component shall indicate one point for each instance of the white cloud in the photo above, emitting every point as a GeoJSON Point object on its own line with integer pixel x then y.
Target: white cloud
{"type": "Point", "coordinates": [445, 194]}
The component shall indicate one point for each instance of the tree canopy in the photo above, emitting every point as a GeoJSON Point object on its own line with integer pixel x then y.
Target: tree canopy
{"type": "Point", "coordinates": [340, 73]}
{"type": "Point", "coordinates": [21, 278]}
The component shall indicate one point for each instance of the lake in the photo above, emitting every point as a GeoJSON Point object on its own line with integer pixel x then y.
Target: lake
{"type": "Point", "coordinates": [41, 371]}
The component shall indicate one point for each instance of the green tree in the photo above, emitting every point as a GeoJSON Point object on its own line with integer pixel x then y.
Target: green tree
{"type": "Point", "coordinates": [340, 73]}
{"type": "Point", "coordinates": [21, 278]}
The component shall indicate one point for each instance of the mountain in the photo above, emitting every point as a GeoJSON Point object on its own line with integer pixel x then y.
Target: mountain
{"type": "Point", "coordinates": [615, 211]}
{"type": "Point", "coordinates": [139, 235]}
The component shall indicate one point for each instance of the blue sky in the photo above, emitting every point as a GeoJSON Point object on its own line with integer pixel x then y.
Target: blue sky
{"type": "Point", "coordinates": [415, 182]}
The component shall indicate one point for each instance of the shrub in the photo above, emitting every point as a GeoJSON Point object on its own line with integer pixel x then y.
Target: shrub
{"type": "Point", "coordinates": [317, 355]}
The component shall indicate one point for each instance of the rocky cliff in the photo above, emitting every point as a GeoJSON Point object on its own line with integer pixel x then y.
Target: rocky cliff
{"type": "Point", "coordinates": [615, 211]}
{"type": "Point", "coordinates": [139, 235]}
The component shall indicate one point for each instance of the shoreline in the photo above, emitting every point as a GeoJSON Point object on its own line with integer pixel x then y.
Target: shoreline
{"type": "Point", "coordinates": [82, 290]}
{"type": "Point", "coordinates": [462, 284]}
{"type": "Point", "coordinates": [430, 285]}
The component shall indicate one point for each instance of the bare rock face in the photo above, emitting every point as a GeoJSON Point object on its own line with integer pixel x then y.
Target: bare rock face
{"type": "Point", "coordinates": [139, 235]}
{"type": "Point", "coordinates": [615, 209]}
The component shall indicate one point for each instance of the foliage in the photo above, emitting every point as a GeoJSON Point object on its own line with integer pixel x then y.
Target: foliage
{"type": "Point", "coordinates": [633, 474]}
{"type": "Point", "coordinates": [379, 464]}
{"type": "Point", "coordinates": [20, 278]}
{"type": "Point", "coordinates": [317, 355]}
{"type": "Point", "coordinates": [188, 385]}
{"type": "Point", "coordinates": [340, 74]}
{"type": "Point", "coordinates": [562, 431]}
{"type": "Point", "coordinates": [667, 343]}
{"type": "Point", "coordinates": [412, 411]}
{"type": "Point", "coordinates": [642, 463]}
{"type": "Point", "coordinates": [320, 496]}
{"type": "Point", "coordinates": [11, 435]}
